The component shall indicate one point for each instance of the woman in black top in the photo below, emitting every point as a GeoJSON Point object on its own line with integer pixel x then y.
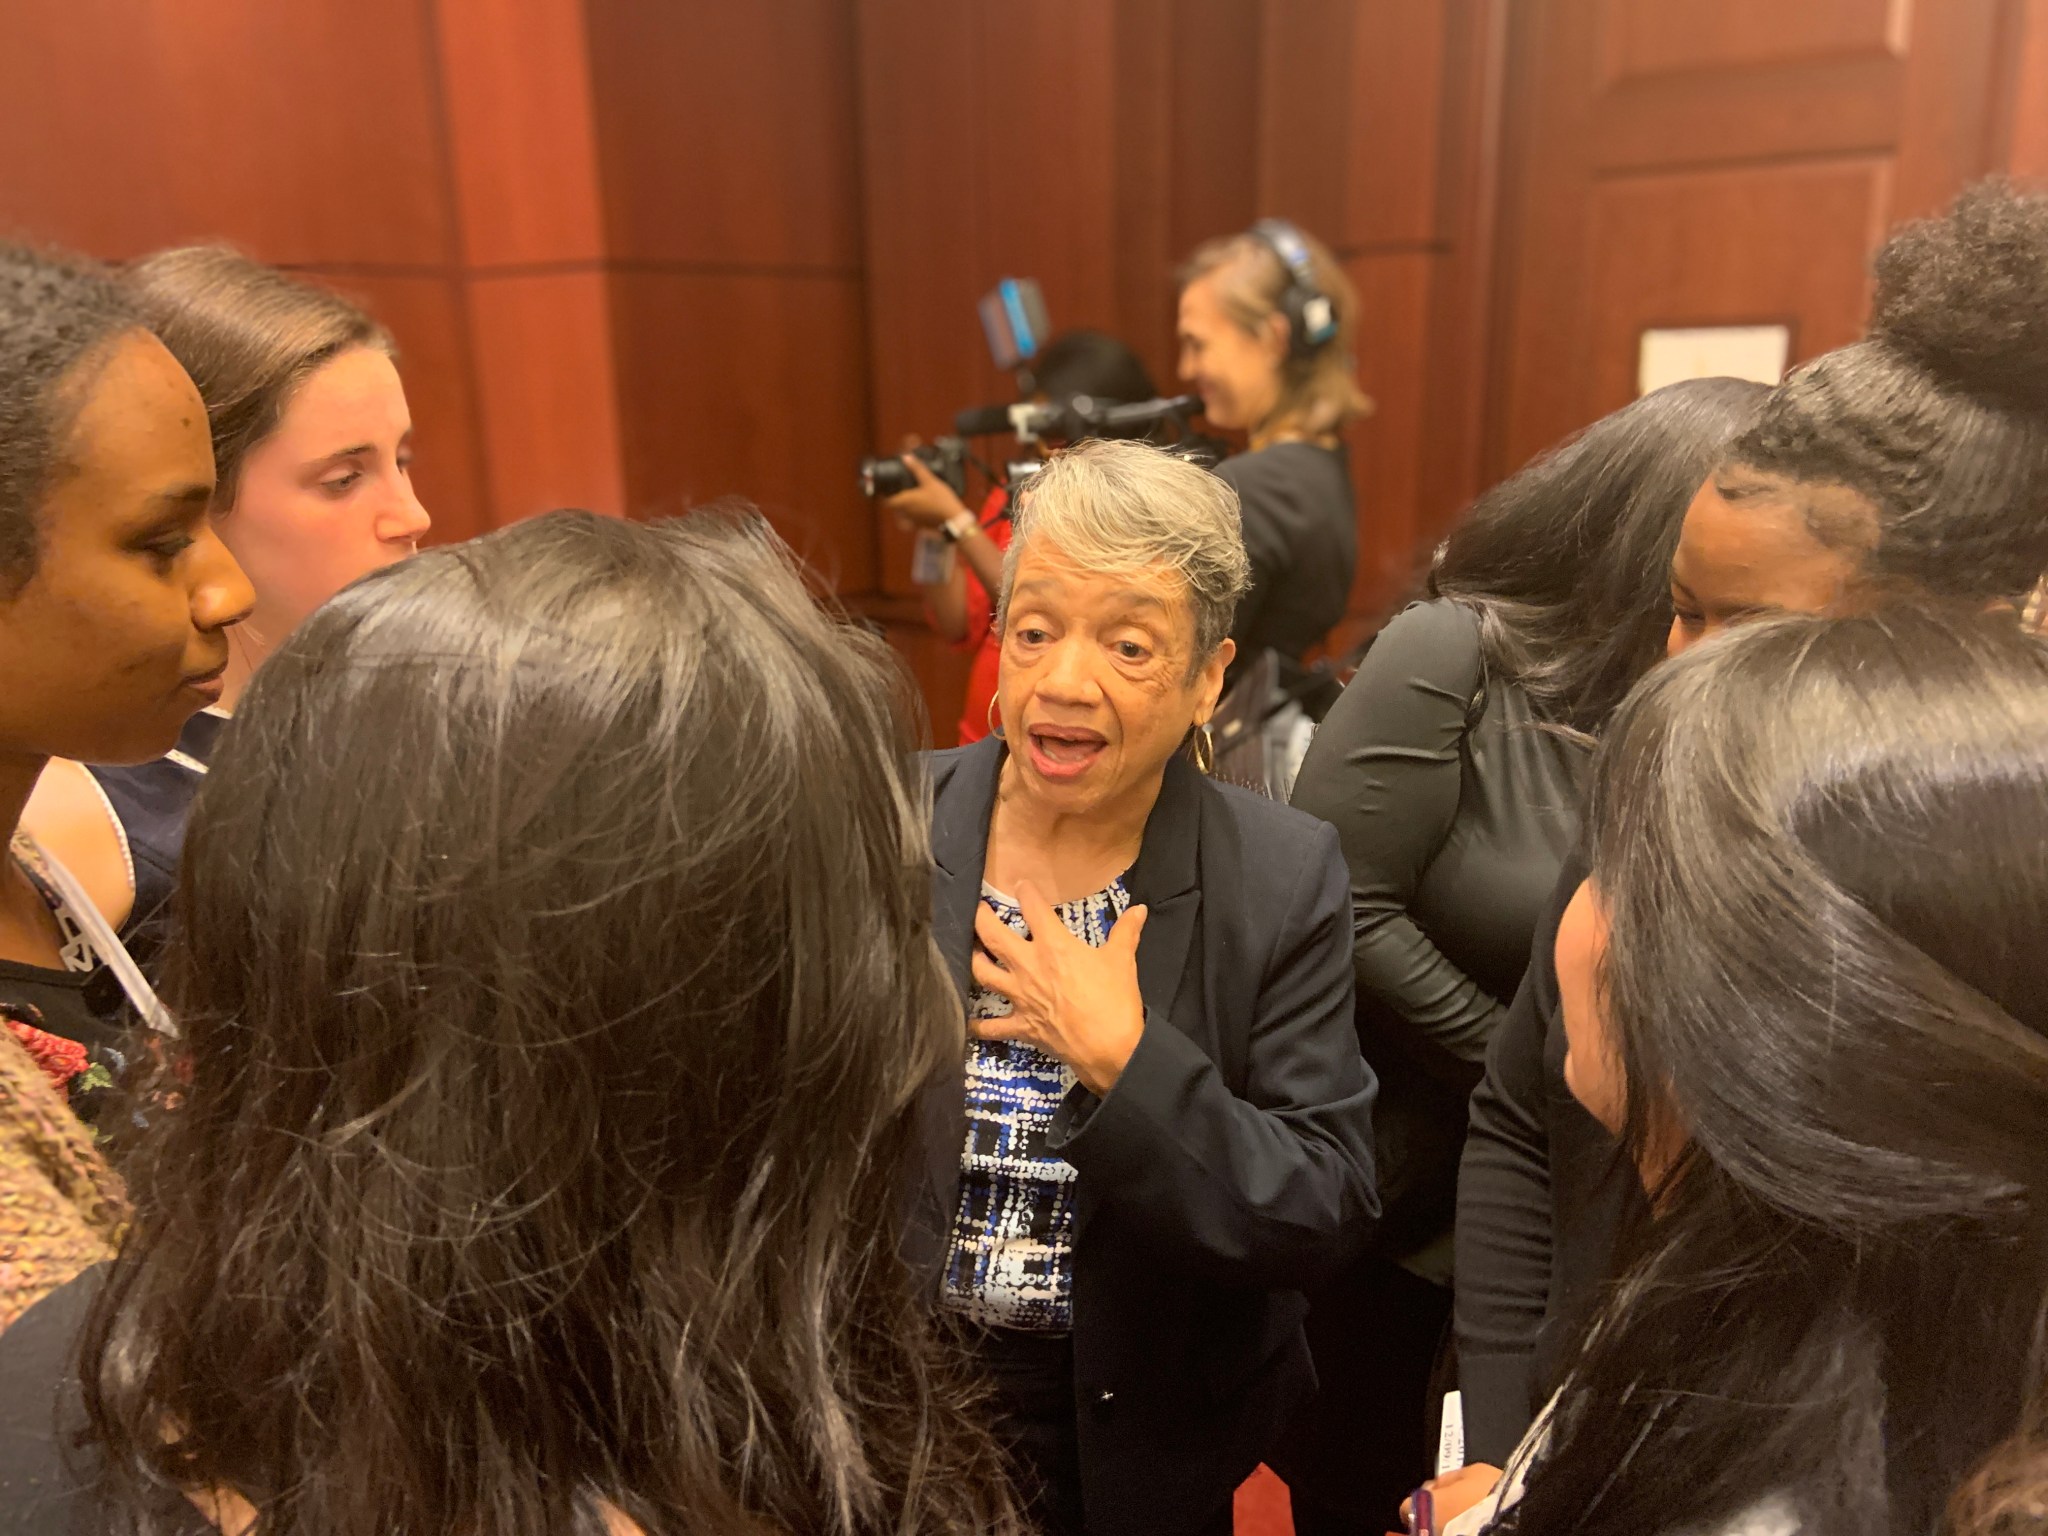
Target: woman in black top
{"type": "Point", "coordinates": [1266, 320]}
{"type": "Point", "coordinates": [115, 601]}
{"type": "Point", "coordinates": [1912, 462]}
{"type": "Point", "coordinates": [1451, 768]}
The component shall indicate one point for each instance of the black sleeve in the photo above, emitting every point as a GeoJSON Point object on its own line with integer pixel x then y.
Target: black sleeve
{"type": "Point", "coordinates": [1385, 769]}
{"type": "Point", "coordinates": [1504, 1228]}
{"type": "Point", "coordinates": [1274, 1189]}
{"type": "Point", "coordinates": [1266, 538]}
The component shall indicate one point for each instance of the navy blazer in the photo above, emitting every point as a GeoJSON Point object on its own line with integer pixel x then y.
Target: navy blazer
{"type": "Point", "coordinates": [1231, 1165]}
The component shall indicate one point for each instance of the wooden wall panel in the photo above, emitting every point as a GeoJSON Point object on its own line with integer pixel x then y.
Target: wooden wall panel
{"type": "Point", "coordinates": [1657, 37]}
{"type": "Point", "coordinates": [1656, 256]}
{"type": "Point", "coordinates": [1387, 447]}
{"type": "Point", "coordinates": [1693, 160]}
{"type": "Point", "coordinates": [548, 392]}
{"type": "Point", "coordinates": [523, 141]}
{"type": "Point", "coordinates": [748, 385]}
{"type": "Point", "coordinates": [727, 131]}
{"type": "Point", "coordinates": [304, 133]}
{"type": "Point", "coordinates": [2025, 148]}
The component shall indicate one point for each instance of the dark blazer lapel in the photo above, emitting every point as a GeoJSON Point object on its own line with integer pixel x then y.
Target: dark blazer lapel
{"type": "Point", "coordinates": [1164, 882]}
{"type": "Point", "coordinates": [960, 819]}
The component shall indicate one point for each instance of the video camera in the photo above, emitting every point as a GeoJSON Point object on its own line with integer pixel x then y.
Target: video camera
{"type": "Point", "coordinates": [946, 458]}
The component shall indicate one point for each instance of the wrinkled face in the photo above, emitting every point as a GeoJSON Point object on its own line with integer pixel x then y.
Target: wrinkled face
{"type": "Point", "coordinates": [1094, 688]}
{"type": "Point", "coordinates": [121, 633]}
{"type": "Point", "coordinates": [1759, 555]}
{"type": "Point", "coordinates": [1236, 373]}
{"type": "Point", "coordinates": [327, 496]}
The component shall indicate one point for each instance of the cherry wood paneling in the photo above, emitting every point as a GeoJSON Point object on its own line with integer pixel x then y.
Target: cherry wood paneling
{"type": "Point", "coordinates": [1660, 37]}
{"type": "Point", "coordinates": [1215, 48]}
{"type": "Point", "coordinates": [547, 392]}
{"type": "Point", "coordinates": [522, 138]}
{"type": "Point", "coordinates": [427, 317]}
{"type": "Point", "coordinates": [305, 133]}
{"type": "Point", "coordinates": [2025, 150]}
{"type": "Point", "coordinates": [748, 386]}
{"type": "Point", "coordinates": [1657, 256]}
{"type": "Point", "coordinates": [1691, 161]}
{"type": "Point", "coordinates": [1399, 78]}
{"type": "Point", "coordinates": [1306, 95]}
{"type": "Point", "coordinates": [727, 131]}
{"type": "Point", "coordinates": [1387, 447]}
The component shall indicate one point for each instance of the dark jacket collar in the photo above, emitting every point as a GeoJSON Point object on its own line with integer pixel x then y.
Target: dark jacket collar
{"type": "Point", "coordinates": [1163, 879]}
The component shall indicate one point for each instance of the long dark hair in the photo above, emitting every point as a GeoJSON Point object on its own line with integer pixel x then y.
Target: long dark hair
{"type": "Point", "coordinates": [1818, 843]}
{"type": "Point", "coordinates": [1568, 562]}
{"type": "Point", "coordinates": [1940, 418]}
{"type": "Point", "coordinates": [557, 989]}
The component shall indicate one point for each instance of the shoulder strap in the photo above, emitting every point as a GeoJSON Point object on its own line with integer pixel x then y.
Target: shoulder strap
{"type": "Point", "coordinates": [105, 942]}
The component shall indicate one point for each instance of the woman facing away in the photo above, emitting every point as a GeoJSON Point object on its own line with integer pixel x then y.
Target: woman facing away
{"type": "Point", "coordinates": [557, 983]}
{"type": "Point", "coordinates": [1804, 986]}
{"type": "Point", "coordinates": [1453, 768]}
{"type": "Point", "coordinates": [312, 439]}
{"type": "Point", "coordinates": [1913, 462]}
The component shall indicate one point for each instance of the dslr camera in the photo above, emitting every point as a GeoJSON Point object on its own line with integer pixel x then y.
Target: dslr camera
{"type": "Point", "coordinates": [946, 458]}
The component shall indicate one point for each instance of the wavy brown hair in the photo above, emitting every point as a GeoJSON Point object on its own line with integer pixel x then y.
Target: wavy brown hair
{"type": "Point", "coordinates": [557, 993]}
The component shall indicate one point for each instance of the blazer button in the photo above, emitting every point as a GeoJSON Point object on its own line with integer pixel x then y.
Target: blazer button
{"type": "Point", "coordinates": [1105, 1400]}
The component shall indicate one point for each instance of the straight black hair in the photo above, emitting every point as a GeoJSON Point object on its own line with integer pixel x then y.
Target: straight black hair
{"type": "Point", "coordinates": [1567, 563]}
{"type": "Point", "coordinates": [557, 989]}
{"type": "Point", "coordinates": [1818, 843]}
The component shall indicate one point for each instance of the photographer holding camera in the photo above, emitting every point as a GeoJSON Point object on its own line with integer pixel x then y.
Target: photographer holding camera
{"type": "Point", "coordinates": [1266, 320]}
{"type": "Point", "coordinates": [959, 605]}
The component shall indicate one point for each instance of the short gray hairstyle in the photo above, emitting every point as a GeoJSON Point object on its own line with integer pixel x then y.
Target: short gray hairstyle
{"type": "Point", "coordinates": [1129, 506]}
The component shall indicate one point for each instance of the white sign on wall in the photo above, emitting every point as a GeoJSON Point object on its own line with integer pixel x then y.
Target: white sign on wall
{"type": "Point", "coordinates": [1757, 352]}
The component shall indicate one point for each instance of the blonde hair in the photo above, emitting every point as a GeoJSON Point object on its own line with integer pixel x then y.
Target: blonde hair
{"type": "Point", "coordinates": [1127, 506]}
{"type": "Point", "coordinates": [1318, 394]}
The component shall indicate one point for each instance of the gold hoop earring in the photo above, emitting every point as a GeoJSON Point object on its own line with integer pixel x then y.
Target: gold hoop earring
{"type": "Point", "coordinates": [1205, 748]}
{"type": "Point", "coordinates": [995, 726]}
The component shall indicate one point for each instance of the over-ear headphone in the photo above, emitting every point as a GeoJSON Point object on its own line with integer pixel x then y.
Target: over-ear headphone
{"type": "Point", "coordinates": [1311, 317]}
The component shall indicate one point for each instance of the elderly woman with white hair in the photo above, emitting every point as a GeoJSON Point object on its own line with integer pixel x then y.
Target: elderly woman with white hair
{"type": "Point", "coordinates": [1165, 1132]}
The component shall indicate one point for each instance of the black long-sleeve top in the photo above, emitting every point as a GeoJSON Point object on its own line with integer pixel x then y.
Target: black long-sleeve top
{"type": "Point", "coordinates": [1301, 531]}
{"type": "Point", "coordinates": [1543, 1193]}
{"type": "Point", "coordinates": [1454, 809]}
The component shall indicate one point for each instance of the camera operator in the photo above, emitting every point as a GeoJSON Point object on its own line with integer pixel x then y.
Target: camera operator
{"type": "Point", "coordinates": [1266, 321]}
{"type": "Point", "coordinates": [1073, 363]}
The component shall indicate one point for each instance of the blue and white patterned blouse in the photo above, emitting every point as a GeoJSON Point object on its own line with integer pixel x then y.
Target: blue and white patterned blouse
{"type": "Point", "coordinates": [1010, 1262]}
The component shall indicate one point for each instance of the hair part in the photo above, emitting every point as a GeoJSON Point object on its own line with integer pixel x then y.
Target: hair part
{"type": "Point", "coordinates": [1319, 394]}
{"type": "Point", "coordinates": [249, 335]}
{"type": "Point", "coordinates": [558, 992]}
{"type": "Point", "coordinates": [1567, 562]}
{"type": "Point", "coordinates": [1939, 420]}
{"type": "Point", "coordinates": [1127, 506]}
{"type": "Point", "coordinates": [1817, 844]}
{"type": "Point", "coordinates": [59, 317]}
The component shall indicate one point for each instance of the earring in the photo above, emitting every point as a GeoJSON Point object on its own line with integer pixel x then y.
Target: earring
{"type": "Point", "coordinates": [1205, 748]}
{"type": "Point", "coordinates": [995, 726]}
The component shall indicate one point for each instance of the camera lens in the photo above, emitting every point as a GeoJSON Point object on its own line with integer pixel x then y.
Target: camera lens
{"type": "Point", "coordinates": [884, 477]}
